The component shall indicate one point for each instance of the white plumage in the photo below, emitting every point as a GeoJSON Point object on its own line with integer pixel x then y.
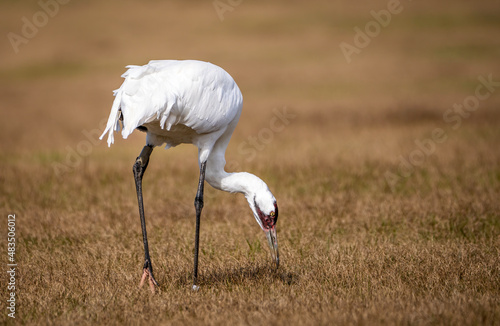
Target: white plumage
{"type": "Point", "coordinates": [193, 102]}
{"type": "Point", "coordinates": [194, 94]}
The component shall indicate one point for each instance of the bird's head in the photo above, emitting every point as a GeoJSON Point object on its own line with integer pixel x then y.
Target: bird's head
{"type": "Point", "coordinates": [265, 210]}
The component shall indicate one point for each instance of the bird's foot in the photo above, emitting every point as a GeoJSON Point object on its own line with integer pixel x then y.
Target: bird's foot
{"type": "Point", "coordinates": [148, 273]}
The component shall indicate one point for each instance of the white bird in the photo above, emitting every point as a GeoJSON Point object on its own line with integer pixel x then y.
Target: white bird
{"type": "Point", "coordinates": [194, 102]}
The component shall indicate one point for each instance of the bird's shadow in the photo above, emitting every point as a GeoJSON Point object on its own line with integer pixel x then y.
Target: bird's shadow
{"type": "Point", "coordinates": [239, 275]}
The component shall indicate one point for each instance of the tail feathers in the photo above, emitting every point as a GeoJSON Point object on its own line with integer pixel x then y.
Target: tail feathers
{"type": "Point", "coordinates": [137, 72]}
{"type": "Point", "coordinates": [114, 117]}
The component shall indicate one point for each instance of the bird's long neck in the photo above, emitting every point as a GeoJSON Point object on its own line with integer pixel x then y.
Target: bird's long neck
{"type": "Point", "coordinates": [259, 197]}
{"type": "Point", "coordinates": [242, 182]}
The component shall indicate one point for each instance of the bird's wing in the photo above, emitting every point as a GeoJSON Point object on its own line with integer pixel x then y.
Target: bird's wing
{"type": "Point", "coordinates": [210, 97]}
{"type": "Point", "coordinates": [196, 94]}
{"type": "Point", "coordinates": [145, 97]}
{"type": "Point", "coordinates": [141, 99]}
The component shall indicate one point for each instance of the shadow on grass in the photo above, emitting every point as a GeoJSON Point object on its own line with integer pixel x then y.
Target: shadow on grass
{"type": "Point", "coordinates": [239, 275]}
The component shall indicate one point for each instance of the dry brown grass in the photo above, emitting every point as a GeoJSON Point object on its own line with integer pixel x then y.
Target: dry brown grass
{"type": "Point", "coordinates": [353, 251]}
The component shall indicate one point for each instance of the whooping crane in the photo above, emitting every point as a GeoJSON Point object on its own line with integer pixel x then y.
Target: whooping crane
{"type": "Point", "coordinates": [194, 102]}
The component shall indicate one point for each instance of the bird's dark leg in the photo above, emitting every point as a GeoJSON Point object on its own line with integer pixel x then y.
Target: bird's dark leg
{"type": "Point", "coordinates": [198, 204]}
{"type": "Point", "coordinates": [140, 165]}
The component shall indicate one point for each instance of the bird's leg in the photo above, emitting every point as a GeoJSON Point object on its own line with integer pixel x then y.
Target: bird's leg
{"type": "Point", "coordinates": [198, 204]}
{"type": "Point", "coordinates": [140, 165]}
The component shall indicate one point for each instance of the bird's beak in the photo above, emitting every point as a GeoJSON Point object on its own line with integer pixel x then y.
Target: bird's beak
{"type": "Point", "coordinates": [272, 238]}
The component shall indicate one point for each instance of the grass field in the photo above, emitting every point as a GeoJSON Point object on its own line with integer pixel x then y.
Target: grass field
{"type": "Point", "coordinates": [389, 200]}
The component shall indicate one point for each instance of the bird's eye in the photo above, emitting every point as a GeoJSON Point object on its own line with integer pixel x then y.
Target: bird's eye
{"type": "Point", "coordinates": [271, 214]}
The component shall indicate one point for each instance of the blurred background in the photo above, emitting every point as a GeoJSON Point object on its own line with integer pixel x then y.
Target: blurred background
{"type": "Point", "coordinates": [57, 74]}
{"type": "Point", "coordinates": [342, 100]}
